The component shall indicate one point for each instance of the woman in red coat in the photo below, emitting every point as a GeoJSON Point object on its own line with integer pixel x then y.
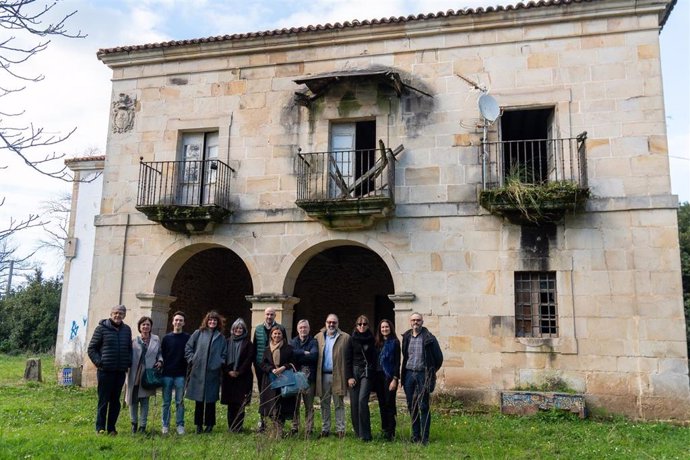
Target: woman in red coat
{"type": "Point", "coordinates": [236, 390]}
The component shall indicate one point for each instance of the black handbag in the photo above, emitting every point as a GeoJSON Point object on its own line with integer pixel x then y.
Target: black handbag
{"type": "Point", "coordinates": [151, 379]}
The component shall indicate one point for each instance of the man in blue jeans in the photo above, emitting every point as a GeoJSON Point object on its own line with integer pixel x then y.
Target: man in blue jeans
{"type": "Point", "coordinates": [422, 357]}
{"type": "Point", "coordinates": [174, 372]}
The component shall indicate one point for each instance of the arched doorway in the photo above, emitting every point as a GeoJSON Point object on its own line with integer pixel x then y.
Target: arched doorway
{"type": "Point", "coordinates": [346, 280]}
{"type": "Point", "coordinates": [213, 279]}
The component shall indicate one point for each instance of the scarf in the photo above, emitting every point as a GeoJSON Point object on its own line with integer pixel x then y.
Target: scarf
{"type": "Point", "coordinates": [386, 357]}
{"type": "Point", "coordinates": [275, 350]}
{"type": "Point", "coordinates": [234, 350]}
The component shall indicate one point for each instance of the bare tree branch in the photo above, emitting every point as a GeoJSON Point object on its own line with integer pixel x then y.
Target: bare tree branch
{"type": "Point", "coordinates": [57, 212]}
{"type": "Point", "coordinates": [25, 19]}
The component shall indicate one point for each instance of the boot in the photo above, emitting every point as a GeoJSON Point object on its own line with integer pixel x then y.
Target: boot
{"type": "Point", "coordinates": [135, 426]}
{"type": "Point", "coordinates": [208, 429]}
{"type": "Point", "coordinates": [199, 429]}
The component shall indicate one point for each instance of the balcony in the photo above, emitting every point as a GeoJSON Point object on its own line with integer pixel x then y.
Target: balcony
{"type": "Point", "coordinates": [531, 182]}
{"type": "Point", "coordinates": [347, 189]}
{"type": "Point", "coordinates": [185, 196]}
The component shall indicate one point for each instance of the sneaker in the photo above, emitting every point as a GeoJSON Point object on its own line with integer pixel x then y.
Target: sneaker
{"type": "Point", "coordinates": [165, 430]}
{"type": "Point", "coordinates": [180, 430]}
{"type": "Point", "coordinates": [101, 431]}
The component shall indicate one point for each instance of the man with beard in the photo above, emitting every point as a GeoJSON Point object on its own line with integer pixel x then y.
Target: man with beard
{"type": "Point", "coordinates": [333, 371]}
{"type": "Point", "coordinates": [422, 357]}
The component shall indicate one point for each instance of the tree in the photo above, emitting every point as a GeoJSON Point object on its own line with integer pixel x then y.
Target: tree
{"type": "Point", "coordinates": [11, 266]}
{"type": "Point", "coordinates": [30, 27]}
{"type": "Point", "coordinates": [56, 211]}
{"type": "Point", "coordinates": [28, 316]}
{"type": "Point", "coordinates": [27, 21]}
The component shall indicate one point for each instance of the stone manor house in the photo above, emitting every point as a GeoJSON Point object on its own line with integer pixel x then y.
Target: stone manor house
{"type": "Point", "coordinates": [504, 171]}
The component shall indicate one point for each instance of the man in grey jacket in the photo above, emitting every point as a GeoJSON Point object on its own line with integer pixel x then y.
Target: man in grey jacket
{"type": "Point", "coordinates": [110, 350]}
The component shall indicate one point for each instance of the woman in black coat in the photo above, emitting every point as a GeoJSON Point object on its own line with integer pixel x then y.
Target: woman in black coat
{"type": "Point", "coordinates": [278, 357]}
{"type": "Point", "coordinates": [387, 375]}
{"type": "Point", "coordinates": [363, 366]}
{"type": "Point", "coordinates": [236, 389]}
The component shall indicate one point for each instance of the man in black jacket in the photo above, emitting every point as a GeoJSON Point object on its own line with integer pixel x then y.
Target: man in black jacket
{"type": "Point", "coordinates": [110, 350]}
{"type": "Point", "coordinates": [306, 354]}
{"type": "Point", "coordinates": [422, 357]}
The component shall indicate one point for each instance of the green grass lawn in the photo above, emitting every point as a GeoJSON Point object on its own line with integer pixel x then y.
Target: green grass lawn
{"type": "Point", "coordinates": [44, 420]}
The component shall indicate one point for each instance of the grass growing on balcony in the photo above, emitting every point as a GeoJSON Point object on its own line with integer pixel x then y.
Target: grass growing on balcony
{"type": "Point", "coordinates": [534, 203]}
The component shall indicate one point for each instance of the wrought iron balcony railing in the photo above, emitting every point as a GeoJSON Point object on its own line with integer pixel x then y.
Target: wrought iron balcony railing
{"type": "Point", "coordinates": [185, 196]}
{"type": "Point", "coordinates": [347, 185]}
{"type": "Point", "coordinates": [535, 161]}
{"type": "Point", "coordinates": [534, 181]}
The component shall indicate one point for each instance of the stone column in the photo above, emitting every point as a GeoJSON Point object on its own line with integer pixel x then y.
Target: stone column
{"type": "Point", "coordinates": [283, 304]}
{"type": "Point", "coordinates": [157, 307]}
{"type": "Point", "coordinates": [403, 309]}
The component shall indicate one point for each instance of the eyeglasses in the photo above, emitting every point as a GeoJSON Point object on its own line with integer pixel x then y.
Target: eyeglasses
{"type": "Point", "coordinates": [362, 324]}
{"type": "Point", "coordinates": [331, 322]}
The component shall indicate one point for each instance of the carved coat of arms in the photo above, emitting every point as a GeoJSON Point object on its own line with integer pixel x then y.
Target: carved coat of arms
{"type": "Point", "coordinates": [123, 114]}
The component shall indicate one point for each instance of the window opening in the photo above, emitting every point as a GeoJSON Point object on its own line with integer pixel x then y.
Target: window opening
{"type": "Point", "coordinates": [198, 170]}
{"type": "Point", "coordinates": [536, 312]}
{"type": "Point", "coordinates": [353, 154]}
{"type": "Point", "coordinates": [527, 142]}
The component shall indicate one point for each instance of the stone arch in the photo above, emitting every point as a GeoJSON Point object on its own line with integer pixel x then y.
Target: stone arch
{"type": "Point", "coordinates": [294, 262]}
{"type": "Point", "coordinates": [205, 276]}
{"type": "Point", "coordinates": [176, 254]}
{"type": "Point", "coordinates": [345, 277]}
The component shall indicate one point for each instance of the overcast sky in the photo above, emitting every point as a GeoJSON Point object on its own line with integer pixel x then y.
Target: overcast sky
{"type": "Point", "coordinates": [76, 89]}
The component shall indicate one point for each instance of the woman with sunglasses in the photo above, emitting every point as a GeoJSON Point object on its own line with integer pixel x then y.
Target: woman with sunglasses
{"type": "Point", "coordinates": [363, 352]}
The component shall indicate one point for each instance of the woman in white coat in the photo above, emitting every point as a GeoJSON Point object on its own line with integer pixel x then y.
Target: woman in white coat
{"type": "Point", "coordinates": [146, 354]}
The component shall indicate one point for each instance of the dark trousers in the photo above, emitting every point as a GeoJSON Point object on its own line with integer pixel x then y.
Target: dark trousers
{"type": "Point", "coordinates": [109, 391]}
{"type": "Point", "coordinates": [359, 408]}
{"type": "Point", "coordinates": [386, 400]}
{"type": "Point", "coordinates": [417, 394]}
{"type": "Point", "coordinates": [205, 414]}
{"type": "Point", "coordinates": [236, 416]}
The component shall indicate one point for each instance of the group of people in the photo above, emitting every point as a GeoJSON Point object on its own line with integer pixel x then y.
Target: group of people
{"type": "Point", "coordinates": [206, 367]}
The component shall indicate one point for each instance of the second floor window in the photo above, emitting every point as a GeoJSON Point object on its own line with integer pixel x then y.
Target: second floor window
{"type": "Point", "coordinates": [197, 172]}
{"type": "Point", "coordinates": [353, 154]}
{"type": "Point", "coordinates": [528, 144]}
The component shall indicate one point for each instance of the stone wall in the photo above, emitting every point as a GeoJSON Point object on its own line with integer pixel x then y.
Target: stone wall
{"type": "Point", "coordinates": [621, 331]}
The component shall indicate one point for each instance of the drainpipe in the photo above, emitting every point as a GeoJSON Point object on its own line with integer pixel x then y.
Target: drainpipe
{"type": "Point", "coordinates": [122, 265]}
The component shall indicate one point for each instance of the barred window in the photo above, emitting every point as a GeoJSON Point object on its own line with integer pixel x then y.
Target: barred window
{"type": "Point", "coordinates": [536, 313]}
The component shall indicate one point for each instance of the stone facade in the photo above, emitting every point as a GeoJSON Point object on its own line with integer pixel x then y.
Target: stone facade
{"type": "Point", "coordinates": [595, 65]}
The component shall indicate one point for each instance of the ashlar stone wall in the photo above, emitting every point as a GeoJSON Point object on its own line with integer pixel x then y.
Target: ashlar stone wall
{"type": "Point", "coordinates": [621, 337]}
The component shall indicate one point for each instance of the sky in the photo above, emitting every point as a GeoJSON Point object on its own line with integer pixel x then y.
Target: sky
{"type": "Point", "coordinates": [75, 92]}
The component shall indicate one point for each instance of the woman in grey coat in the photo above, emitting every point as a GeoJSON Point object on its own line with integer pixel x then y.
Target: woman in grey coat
{"type": "Point", "coordinates": [146, 354]}
{"type": "Point", "coordinates": [205, 353]}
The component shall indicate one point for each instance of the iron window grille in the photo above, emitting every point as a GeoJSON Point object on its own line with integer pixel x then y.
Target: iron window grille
{"type": "Point", "coordinates": [536, 310]}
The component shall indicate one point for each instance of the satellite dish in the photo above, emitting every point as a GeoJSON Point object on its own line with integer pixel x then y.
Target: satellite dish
{"type": "Point", "coordinates": [488, 107]}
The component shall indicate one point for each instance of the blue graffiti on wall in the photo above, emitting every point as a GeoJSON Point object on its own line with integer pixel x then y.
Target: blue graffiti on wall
{"type": "Point", "coordinates": [74, 330]}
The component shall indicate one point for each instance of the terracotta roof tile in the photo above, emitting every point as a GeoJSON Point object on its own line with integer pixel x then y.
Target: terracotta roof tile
{"type": "Point", "coordinates": [345, 25]}
{"type": "Point", "coordinates": [364, 23]}
{"type": "Point", "coordinates": [79, 159]}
